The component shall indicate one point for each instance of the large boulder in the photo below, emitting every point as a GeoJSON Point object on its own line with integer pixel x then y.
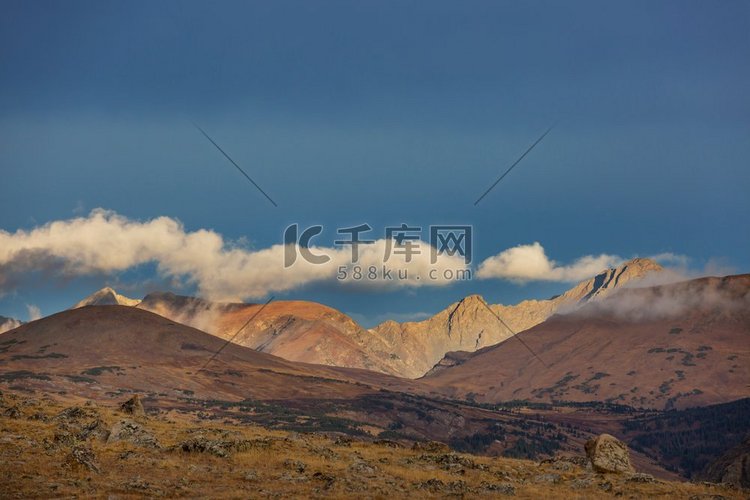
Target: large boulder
{"type": "Point", "coordinates": [608, 454]}
{"type": "Point", "coordinates": [133, 406]}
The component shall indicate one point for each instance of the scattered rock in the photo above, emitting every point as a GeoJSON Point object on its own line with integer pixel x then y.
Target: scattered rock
{"type": "Point", "coordinates": [12, 412]}
{"type": "Point", "coordinates": [431, 447]}
{"type": "Point", "coordinates": [83, 456]}
{"type": "Point", "coordinates": [288, 477]}
{"type": "Point", "coordinates": [363, 468]}
{"type": "Point", "coordinates": [132, 432]}
{"type": "Point", "coordinates": [438, 486]}
{"type": "Point", "coordinates": [608, 454]}
{"type": "Point", "coordinates": [295, 465]}
{"type": "Point", "coordinates": [550, 478]}
{"type": "Point", "coordinates": [39, 416]}
{"type": "Point", "coordinates": [62, 438]}
{"type": "Point", "coordinates": [94, 429]}
{"type": "Point", "coordinates": [133, 406]}
{"type": "Point", "coordinates": [328, 479]}
{"type": "Point", "coordinates": [640, 477]}
{"type": "Point", "coordinates": [343, 441]}
{"type": "Point", "coordinates": [75, 414]}
{"type": "Point", "coordinates": [581, 483]}
{"type": "Point", "coordinates": [562, 462]}
{"type": "Point", "coordinates": [388, 443]}
{"type": "Point", "coordinates": [223, 447]}
{"type": "Point", "coordinates": [501, 488]}
{"type": "Point", "coordinates": [137, 484]}
{"type": "Point", "coordinates": [449, 461]}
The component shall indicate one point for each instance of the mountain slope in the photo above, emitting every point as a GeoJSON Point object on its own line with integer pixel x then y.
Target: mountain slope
{"type": "Point", "coordinates": [468, 325]}
{"type": "Point", "coordinates": [106, 297]}
{"type": "Point", "coordinates": [94, 349]}
{"type": "Point", "coordinates": [677, 345]}
{"type": "Point", "coordinates": [295, 330]}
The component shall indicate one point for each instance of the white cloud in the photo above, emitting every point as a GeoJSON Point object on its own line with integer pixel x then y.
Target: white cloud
{"type": "Point", "coordinates": [671, 259]}
{"type": "Point", "coordinates": [9, 324]}
{"type": "Point", "coordinates": [104, 243]}
{"type": "Point", "coordinates": [530, 263]}
{"type": "Point", "coordinates": [34, 312]}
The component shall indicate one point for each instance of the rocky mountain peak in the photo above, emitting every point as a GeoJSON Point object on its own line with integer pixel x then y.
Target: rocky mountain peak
{"type": "Point", "coordinates": [106, 297]}
{"type": "Point", "coordinates": [609, 279]}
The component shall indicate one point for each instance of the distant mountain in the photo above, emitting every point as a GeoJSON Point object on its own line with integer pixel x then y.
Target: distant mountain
{"type": "Point", "coordinates": [469, 325]}
{"type": "Point", "coordinates": [670, 346]}
{"type": "Point", "coordinates": [106, 297]}
{"type": "Point", "coordinates": [7, 324]}
{"type": "Point", "coordinates": [295, 330]}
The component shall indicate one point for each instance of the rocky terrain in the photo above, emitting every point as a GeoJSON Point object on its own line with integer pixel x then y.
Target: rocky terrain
{"type": "Point", "coordinates": [94, 450]}
{"type": "Point", "coordinates": [672, 346]}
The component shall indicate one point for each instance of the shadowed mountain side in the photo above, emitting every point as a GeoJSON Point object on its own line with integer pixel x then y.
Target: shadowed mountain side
{"type": "Point", "coordinates": [676, 345]}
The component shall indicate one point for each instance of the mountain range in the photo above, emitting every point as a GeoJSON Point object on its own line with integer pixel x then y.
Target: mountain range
{"type": "Point", "coordinates": [314, 333]}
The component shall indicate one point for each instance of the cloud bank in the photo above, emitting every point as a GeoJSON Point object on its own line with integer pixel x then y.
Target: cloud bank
{"type": "Point", "coordinates": [530, 263]}
{"type": "Point", "coordinates": [105, 242]}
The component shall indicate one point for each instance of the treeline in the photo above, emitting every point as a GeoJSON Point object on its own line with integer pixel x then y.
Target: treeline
{"type": "Point", "coordinates": [686, 441]}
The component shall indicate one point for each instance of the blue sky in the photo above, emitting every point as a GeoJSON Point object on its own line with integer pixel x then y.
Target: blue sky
{"type": "Point", "coordinates": [381, 112]}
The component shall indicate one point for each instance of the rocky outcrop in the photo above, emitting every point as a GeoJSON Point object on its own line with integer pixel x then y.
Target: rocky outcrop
{"type": "Point", "coordinates": [608, 455]}
{"type": "Point", "coordinates": [132, 432]}
{"type": "Point", "coordinates": [106, 297]}
{"type": "Point", "coordinates": [83, 456]}
{"type": "Point", "coordinates": [732, 468]}
{"type": "Point", "coordinates": [133, 406]}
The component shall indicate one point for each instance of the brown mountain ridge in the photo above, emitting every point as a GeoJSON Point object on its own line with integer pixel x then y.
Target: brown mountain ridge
{"type": "Point", "coordinates": [671, 346]}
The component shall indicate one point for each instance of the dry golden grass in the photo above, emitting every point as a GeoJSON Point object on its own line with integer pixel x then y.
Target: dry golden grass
{"type": "Point", "coordinates": [36, 462]}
